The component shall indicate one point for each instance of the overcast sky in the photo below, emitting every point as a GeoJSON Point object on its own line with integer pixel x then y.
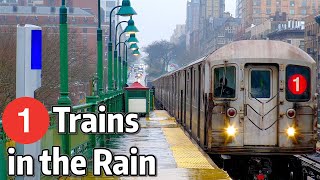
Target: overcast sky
{"type": "Point", "coordinates": [157, 19]}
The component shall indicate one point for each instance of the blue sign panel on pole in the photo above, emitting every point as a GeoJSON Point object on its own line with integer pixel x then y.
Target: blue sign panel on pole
{"type": "Point", "coordinates": [36, 49]}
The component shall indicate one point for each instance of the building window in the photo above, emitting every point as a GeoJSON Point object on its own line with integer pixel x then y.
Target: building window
{"type": "Point", "coordinates": [257, 21]}
{"type": "Point", "coordinates": [111, 3]}
{"type": "Point", "coordinates": [292, 3]}
{"type": "Point", "coordinates": [268, 2]}
{"type": "Point", "coordinates": [221, 34]}
{"type": "Point", "coordinates": [221, 41]}
{"type": "Point", "coordinates": [257, 11]}
{"type": "Point", "coordinates": [268, 11]}
{"type": "Point", "coordinates": [303, 11]}
{"type": "Point", "coordinates": [289, 41]}
{"type": "Point", "coordinates": [301, 46]}
{"type": "Point", "coordinates": [291, 11]}
{"type": "Point", "coordinates": [304, 3]}
{"type": "Point", "coordinates": [257, 2]}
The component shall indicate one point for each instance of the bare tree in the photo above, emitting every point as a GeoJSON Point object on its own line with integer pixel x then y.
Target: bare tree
{"type": "Point", "coordinates": [80, 69]}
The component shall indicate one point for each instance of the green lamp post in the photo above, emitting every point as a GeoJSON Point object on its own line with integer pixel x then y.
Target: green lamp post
{"type": "Point", "coordinates": [117, 60]}
{"type": "Point", "coordinates": [131, 28]}
{"type": "Point", "coordinates": [122, 64]}
{"type": "Point", "coordinates": [100, 88]}
{"type": "Point", "coordinates": [134, 46]}
{"type": "Point", "coordinates": [64, 99]}
{"type": "Point", "coordinates": [132, 39]}
{"type": "Point", "coordinates": [119, 75]}
{"type": "Point", "coordinates": [136, 52]}
{"type": "Point", "coordinates": [125, 10]}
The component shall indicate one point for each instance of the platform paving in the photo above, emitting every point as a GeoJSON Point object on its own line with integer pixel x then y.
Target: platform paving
{"type": "Point", "coordinates": [177, 156]}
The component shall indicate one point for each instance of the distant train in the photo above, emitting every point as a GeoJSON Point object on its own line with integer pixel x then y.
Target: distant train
{"type": "Point", "coordinates": [252, 97]}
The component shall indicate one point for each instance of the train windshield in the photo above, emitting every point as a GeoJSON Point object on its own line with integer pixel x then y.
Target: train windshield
{"type": "Point", "coordinates": [297, 83]}
{"type": "Point", "coordinates": [225, 82]}
{"type": "Point", "coordinates": [260, 83]}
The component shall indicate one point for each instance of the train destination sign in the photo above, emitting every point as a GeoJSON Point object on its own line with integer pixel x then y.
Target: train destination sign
{"type": "Point", "coordinates": [297, 84]}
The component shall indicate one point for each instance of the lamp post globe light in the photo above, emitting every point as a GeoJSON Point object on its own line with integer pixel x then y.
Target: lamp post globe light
{"type": "Point", "coordinates": [131, 28]}
{"type": "Point", "coordinates": [132, 39]}
{"type": "Point", "coordinates": [136, 52]}
{"type": "Point", "coordinates": [125, 10]}
{"type": "Point", "coordinates": [134, 46]}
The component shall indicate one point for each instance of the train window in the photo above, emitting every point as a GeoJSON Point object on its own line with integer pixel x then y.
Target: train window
{"type": "Point", "coordinates": [297, 83]}
{"type": "Point", "coordinates": [225, 82]}
{"type": "Point", "coordinates": [260, 84]}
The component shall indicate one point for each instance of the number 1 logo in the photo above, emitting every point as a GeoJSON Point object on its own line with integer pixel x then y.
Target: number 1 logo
{"type": "Point", "coordinates": [297, 84]}
{"type": "Point", "coordinates": [25, 115]}
{"type": "Point", "coordinates": [25, 120]}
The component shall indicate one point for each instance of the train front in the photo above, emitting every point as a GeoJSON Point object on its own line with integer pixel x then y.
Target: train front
{"type": "Point", "coordinates": [263, 99]}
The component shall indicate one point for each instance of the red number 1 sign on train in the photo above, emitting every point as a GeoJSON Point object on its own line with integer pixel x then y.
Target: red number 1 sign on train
{"type": "Point", "coordinates": [297, 84]}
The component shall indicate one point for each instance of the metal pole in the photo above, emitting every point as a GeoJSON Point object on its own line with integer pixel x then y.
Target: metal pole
{"type": "Point", "coordinates": [125, 69]}
{"type": "Point", "coordinates": [100, 88]}
{"type": "Point", "coordinates": [110, 82]}
{"type": "Point", "coordinates": [116, 33]}
{"type": "Point", "coordinates": [115, 68]}
{"type": "Point", "coordinates": [117, 60]}
{"type": "Point", "coordinates": [120, 72]}
{"type": "Point", "coordinates": [64, 99]}
{"type": "Point", "coordinates": [120, 62]}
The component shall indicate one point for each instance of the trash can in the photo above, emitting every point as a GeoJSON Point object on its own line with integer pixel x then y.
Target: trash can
{"type": "Point", "coordinates": [137, 99]}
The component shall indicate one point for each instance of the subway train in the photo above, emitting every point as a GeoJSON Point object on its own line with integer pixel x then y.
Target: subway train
{"type": "Point", "coordinates": [250, 97]}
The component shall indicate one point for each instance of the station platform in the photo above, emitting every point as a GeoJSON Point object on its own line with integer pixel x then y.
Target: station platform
{"type": "Point", "coordinates": [177, 156]}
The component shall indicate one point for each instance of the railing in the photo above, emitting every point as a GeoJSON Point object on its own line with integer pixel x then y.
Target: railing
{"type": "Point", "coordinates": [79, 143]}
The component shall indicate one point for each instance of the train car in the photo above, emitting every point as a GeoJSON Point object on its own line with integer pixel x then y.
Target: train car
{"type": "Point", "coordinates": [251, 97]}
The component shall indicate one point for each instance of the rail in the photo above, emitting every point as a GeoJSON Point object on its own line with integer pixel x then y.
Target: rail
{"type": "Point", "coordinates": [310, 165]}
{"type": "Point", "coordinates": [79, 143]}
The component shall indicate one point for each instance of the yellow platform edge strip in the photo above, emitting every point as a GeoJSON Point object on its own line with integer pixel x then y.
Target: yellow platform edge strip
{"type": "Point", "coordinates": [185, 153]}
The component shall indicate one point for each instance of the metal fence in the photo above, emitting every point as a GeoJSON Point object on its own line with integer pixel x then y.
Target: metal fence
{"type": "Point", "coordinates": [79, 143]}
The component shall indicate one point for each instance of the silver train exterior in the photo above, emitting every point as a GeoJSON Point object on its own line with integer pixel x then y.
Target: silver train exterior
{"type": "Point", "coordinates": [248, 97]}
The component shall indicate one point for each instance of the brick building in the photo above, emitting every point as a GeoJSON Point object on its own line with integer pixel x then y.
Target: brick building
{"type": "Point", "coordinates": [312, 38]}
{"type": "Point", "coordinates": [291, 36]}
{"type": "Point", "coordinates": [257, 11]}
{"type": "Point", "coordinates": [220, 32]}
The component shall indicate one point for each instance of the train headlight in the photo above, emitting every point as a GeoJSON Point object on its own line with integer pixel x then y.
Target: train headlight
{"type": "Point", "coordinates": [291, 131]}
{"type": "Point", "coordinates": [231, 130]}
{"type": "Point", "coordinates": [231, 112]}
{"type": "Point", "coordinates": [291, 113]}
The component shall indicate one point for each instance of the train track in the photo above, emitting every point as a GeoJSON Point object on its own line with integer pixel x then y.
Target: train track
{"type": "Point", "coordinates": [310, 165]}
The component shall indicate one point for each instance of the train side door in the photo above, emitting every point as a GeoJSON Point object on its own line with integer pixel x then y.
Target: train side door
{"type": "Point", "coordinates": [261, 102]}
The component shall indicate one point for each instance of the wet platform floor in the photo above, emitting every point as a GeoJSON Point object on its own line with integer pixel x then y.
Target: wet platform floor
{"type": "Point", "coordinates": [177, 157]}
